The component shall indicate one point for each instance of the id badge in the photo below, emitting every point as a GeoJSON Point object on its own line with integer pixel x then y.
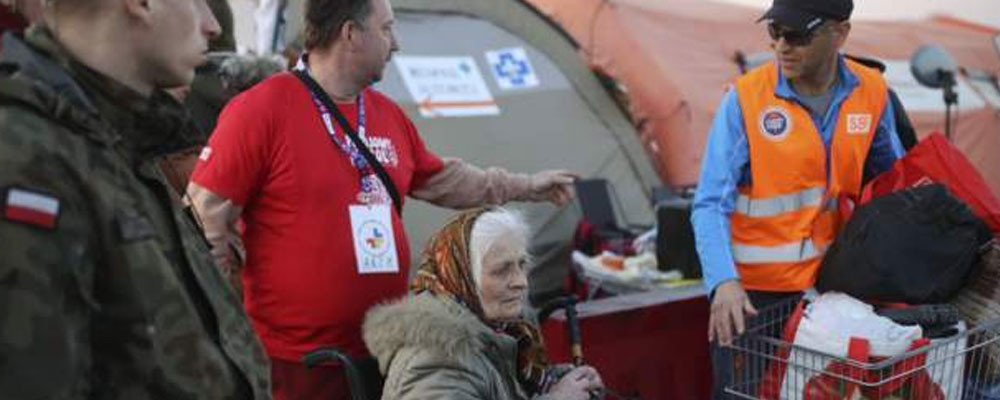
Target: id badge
{"type": "Point", "coordinates": [374, 239]}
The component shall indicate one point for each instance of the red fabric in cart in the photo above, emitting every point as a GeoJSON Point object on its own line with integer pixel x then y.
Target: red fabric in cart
{"type": "Point", "coordinates": [935, 160]}
{"type": "Point", "coordinates": [770, 385]}
{"type": "Point", "coordinates": [829, 385]}
{"type": "Point", "coordinates": [909, 373]}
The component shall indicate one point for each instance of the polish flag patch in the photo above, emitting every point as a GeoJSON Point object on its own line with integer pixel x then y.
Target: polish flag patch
{"type": "Point", "coordinates": [31, 208]}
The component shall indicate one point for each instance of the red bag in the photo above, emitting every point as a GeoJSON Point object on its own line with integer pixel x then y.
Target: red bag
{"type": "Point", "coordinates": [909, 375]}
{"type": "Point", "coordinates": [935, 160]}
{"type": "Point", "coordinates": [835, 380]}
{"type": "Point", "coordinates": [770, 384]}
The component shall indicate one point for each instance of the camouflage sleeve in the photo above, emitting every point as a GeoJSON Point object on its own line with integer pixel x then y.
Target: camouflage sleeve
{"type": "Point", "coordinates": [47, 266]}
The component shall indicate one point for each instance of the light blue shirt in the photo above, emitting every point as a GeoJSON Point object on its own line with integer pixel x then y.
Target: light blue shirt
{"type": "Point", "coordinates": [726, 166]}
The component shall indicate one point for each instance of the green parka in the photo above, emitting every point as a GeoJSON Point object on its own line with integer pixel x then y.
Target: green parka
{"type": "Point", "coordinates": [433, 348]}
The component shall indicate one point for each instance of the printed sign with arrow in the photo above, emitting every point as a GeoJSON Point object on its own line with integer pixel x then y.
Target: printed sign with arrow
{"type": "Point", "coordinates": [446, 86]}
{"type": "Point", "coordinates": [429, 107]}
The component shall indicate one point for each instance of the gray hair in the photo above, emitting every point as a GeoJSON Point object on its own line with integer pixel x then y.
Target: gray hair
{"type": "Point", "coordinates": [490, 227]}
{"type": "Point", "coordinates": [240, 72]}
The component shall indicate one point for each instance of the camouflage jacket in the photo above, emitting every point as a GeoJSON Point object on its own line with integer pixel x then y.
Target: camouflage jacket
{"type": "Point", "coordinates": [107, 287]}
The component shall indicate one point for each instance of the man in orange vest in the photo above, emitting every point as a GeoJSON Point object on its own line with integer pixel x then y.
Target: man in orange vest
{"type": "Point", "coordinates": [790, 141]}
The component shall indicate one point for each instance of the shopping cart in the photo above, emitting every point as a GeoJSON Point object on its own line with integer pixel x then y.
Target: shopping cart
{"type": "Point", "coordinates": [965, 365]}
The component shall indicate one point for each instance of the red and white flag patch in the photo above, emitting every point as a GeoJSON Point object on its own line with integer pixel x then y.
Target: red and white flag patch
{"type": "Point", "coordinates": [31, 208]}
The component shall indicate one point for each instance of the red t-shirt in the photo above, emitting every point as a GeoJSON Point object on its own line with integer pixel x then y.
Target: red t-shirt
{"type": "Point", "coordinates": [271, 154]}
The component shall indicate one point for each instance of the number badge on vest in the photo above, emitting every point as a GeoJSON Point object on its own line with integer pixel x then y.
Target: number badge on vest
{"type": "Point", "coordinates": [859, 124]}
{"type": "Point", "coordinates": [775, 123]}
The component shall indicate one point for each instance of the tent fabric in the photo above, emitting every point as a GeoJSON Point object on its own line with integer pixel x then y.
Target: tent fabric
{"type": "Point", "coordinates": [567, 121]}
{"type": "Point", "coordinates": [523, 22]}
{"type": "Point", "coordinates": [676, 57]}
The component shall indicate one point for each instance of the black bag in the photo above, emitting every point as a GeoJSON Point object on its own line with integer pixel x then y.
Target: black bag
{"type": "Point", "coordinates": [675, 247]}
{"type": "Point", "coordinates": [916, 246]}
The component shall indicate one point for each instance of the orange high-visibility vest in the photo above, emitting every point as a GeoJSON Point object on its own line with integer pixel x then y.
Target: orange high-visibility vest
{"type": "Point", "coordinates": [786, 218]}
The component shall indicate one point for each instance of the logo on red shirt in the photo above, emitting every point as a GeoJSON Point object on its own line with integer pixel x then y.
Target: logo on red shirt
{"type": "Point", "coordinates": [384, 150]}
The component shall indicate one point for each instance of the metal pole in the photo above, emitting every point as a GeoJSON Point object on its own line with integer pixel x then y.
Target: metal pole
{"type": "Point", "coordinates": [947, 121]}
{"type": "Point", "coordinates": [950, 98]}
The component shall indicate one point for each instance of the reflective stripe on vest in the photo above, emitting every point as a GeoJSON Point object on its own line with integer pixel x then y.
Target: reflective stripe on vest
{"type": "Point", "coordinates": [788, 253]}
{"type": "Point", "coordinates": [778, 205]}
{"type": "Point", "coordinates": [791, 252]}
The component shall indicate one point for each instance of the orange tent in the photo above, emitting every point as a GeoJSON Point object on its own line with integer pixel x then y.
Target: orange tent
{"type": "Point", "coordinates": [672, 59]}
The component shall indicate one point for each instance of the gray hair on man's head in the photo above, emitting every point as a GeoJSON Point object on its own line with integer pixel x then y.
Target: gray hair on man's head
{"type": "Point", "coordinates": [489, 227]}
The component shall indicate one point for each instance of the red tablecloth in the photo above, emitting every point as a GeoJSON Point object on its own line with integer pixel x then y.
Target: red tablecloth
{"type": "Point", "coordinates": [653, 345]}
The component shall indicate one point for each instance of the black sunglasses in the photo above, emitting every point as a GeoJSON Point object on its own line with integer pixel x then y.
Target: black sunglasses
{"type": "Point", "coordinates": [792, 37]}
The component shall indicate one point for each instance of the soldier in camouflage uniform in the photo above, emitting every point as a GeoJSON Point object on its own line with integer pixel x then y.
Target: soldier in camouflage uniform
{"type": "Point", "coordinates": [107, 287]}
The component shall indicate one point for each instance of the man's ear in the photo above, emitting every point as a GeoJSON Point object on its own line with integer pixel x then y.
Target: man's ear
{"type": "Point", "coordinates": [843, 29]}
{"type": "Point", "coordinates": [140, 9]}
{"type": "Point", "coordinates": [350, 33]}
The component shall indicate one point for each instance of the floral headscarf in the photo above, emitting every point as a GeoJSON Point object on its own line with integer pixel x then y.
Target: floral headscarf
{"type": "Point", "coordinates": [446, 270]}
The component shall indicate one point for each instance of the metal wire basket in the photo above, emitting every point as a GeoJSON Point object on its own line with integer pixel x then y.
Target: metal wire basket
{"type": "Point", "coordinates": [965, 365]}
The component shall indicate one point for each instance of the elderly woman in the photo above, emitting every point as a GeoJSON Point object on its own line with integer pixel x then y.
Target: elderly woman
{"type": "Point", "coordinates": [462, 334]}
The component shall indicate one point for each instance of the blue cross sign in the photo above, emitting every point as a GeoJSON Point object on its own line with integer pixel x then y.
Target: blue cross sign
{"type": "Point", "coordinates": [512, 69]}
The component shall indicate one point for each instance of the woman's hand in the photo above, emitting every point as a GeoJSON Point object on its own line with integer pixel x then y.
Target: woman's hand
{"type": "Point", "coordinates": [577, 384]}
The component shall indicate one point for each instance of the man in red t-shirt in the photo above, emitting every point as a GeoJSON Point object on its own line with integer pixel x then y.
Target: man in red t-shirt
{"type": "Point", "coordinates": [323, 238]}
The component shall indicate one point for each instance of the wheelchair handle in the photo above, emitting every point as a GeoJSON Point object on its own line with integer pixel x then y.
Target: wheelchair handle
{"type": "Point", "coordinates": [331, 355]}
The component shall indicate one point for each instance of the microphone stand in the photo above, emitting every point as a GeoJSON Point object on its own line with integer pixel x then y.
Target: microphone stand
{"type": "Point", "coordinates": [950, 98]}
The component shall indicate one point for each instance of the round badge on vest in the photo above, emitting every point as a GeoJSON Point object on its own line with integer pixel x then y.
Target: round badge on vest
{"type": "Point", "coordinates": [775, 123]}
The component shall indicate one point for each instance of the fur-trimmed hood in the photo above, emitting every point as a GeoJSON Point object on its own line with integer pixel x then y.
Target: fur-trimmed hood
{"type": "Point", "coordinates": [426, 321]}
{"type": "Point", "coordinates": [416, 336]}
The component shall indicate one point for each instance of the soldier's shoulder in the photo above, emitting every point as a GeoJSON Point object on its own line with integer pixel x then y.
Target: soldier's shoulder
{"type": "Point", "coordinates": [28, 130]}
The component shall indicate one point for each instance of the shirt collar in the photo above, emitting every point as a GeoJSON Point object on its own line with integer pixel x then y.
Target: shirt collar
{"type": "Point", "coordinates": [846, 81]}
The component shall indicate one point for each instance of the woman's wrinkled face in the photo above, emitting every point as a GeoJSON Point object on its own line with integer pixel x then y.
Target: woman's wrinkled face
{"type": "Point", "coordinates": [503, 281]}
